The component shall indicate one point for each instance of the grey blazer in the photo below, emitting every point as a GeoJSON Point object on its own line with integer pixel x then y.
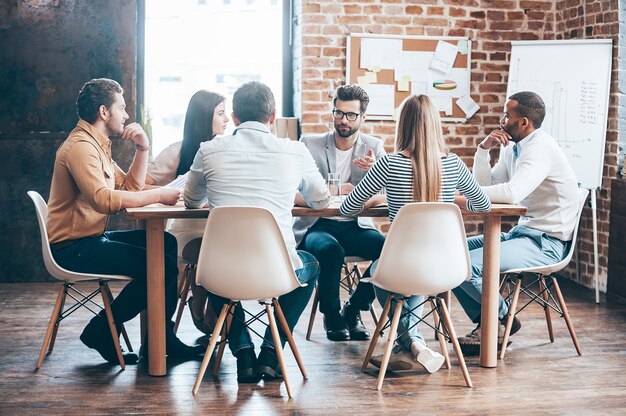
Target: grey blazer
{"type": "Point", "coordinates": [322, 148]}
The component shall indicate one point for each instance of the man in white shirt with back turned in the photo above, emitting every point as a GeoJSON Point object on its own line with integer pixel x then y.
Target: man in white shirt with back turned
{"type": "Point", "coordinates": [533, 172]}
{"type": "Point", "coordinates": [255, 168]}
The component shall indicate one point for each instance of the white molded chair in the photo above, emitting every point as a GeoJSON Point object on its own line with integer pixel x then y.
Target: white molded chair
{"type": "Point", "coordinates": [244, 257]}
{"type": "Point", "coordinates": [350, 279]}
{"type": "Point", "coordinates": [70, 278]}
{"type": "Point", "coordinates": [544, 297]}
{"type": "Point", "coordinates": [425, 253]}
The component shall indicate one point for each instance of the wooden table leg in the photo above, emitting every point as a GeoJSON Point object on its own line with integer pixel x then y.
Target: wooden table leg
{"type": "Point", "coordinates": [156, 296]}
{"type": "Point", "coordinates": [489, 309]}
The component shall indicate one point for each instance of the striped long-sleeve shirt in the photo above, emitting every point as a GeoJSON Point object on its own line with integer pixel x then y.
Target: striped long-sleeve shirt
{"type": "Point", "coordinates": [394, 172]}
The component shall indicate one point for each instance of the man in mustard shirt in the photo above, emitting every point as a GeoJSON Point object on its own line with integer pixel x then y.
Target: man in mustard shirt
{"type": "Point", "coordinates": [87, 186]}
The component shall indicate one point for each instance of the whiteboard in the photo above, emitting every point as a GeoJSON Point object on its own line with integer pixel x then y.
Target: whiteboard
{"type": "Point", "coordinates": [573, 78]}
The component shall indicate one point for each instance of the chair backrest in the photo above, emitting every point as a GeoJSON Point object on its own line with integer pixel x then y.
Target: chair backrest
{"type": "Point", "coordinates": [53, 268]}
{"type": "Point", "coordinates": [58, 272]}
{"type": "Point", "coordinates": [555, 267]}
{"type": "Point", "coordinates": [243, 255]}
{"type": "Point", "coordinates": [425, 251]}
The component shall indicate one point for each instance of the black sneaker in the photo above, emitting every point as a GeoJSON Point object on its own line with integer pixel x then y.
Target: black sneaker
{"type": "Point", "coordinates": [352, 318]}
{"type": "Point", "coordinates": [97, 335]}
{"type": "Point", "coordinates": [267, 365]}
{"type": "Point", "coordinates": [246, 363]}
{"type": "Point", "coordinates": [335, 327]}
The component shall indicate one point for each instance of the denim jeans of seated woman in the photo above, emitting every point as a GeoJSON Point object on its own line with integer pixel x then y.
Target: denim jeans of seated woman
{"type": "Point", "coordinates": [292, 305]}
{"type": "Point", "coordinates": [408, 331]}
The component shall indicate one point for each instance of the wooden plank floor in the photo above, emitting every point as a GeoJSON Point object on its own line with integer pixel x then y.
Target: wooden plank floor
{"type": "Point", "coordinates": [536, 377]}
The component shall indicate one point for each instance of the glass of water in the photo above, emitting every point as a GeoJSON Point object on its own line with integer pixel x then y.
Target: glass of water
{"type": "Point", "coordinates": [334, 187]}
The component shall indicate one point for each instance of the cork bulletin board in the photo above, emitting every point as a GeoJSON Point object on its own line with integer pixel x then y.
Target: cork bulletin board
{"type": "Point", "coordinates": [392, 67]}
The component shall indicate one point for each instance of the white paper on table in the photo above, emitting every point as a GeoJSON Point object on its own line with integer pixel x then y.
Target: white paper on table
{"type": "Point", "coordinates": [381, 99]}
{"type": "Point", "coordinates": [468, 105]}
{"type": "Point", "coordinates": [443, 104]}
{"type": "Point", "coordinates": [458, 75]}
{"type": "Point", "coordinates": [380, 53]}
{"type": "Point", "coordinates": [178, 183]}
{"type": "Point", "coordinates": [444, 57]}
{"type": "Point", "coordinates": [413, 64]}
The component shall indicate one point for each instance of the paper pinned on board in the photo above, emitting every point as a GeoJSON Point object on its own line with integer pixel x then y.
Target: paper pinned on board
{"type": "Point", "coordinates": [381, 99]}
{"type": "Point", "coordinates": [369, 77]}
{"type": "Point", "coordinates": [462, 46]}
{"type": "Point", "coordinates": [468, 105]}
{"type": "Point", "coordinates": [443, 104]}
{"type": "Point", "coordinates": [404, 83]}
{"type": "Point", "coordinates": [380, 53]}
{"type": "Point", "coordinates": [444, 57]}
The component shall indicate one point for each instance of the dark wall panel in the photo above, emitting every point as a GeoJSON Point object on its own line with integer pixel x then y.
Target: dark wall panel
{"type": "Point", "coordinates": [48, 49]}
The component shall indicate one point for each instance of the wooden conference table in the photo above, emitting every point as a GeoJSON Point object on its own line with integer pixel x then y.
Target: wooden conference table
{"type": "Point", "coordinates": [154, 217]}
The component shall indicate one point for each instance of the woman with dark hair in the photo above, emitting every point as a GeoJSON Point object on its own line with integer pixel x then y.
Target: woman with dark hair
{"type": "Point", "coordinates": [421, 170]}
{"type": "Point", "coordinates": [205, 118]}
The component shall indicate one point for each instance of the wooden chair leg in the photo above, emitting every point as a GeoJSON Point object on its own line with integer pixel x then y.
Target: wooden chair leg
{"type": "Point", "coordinates": [381, 322]}
{"type": "Point", "coordinates": [568, 321]}
{"type": "Point", "coordinates": [52, 324]}
{"type": "Point", "coordinates": [290, 340]}
{"type": "Point", "coordinates": [543, 288]}
{"type": "Point", "coordinates": [390, 340]}
{"type": "Point", "coordinates": [455, 342]}
{"type": "Point", "coordinates": [122, 329]}
{"type": "Point", "coordinates": [55, 330]}
{"type": "Point", "coordinates": [316, 302]}
{"type": "Point", "coordinates": [114, 334]}
{"type": "Point", "coordinates": [223, 338]}
{"type": "Point", "coordinates": [441, 338]}
{"type": "Point", "coordinates": [278, 348]}
{"type": "Point", "coordinates": [210, 348]}
{"type": "Point", "coordinates": [183, 294]}
{"type": "Point", "coordinates": [510, 316]}
{"type": "Point", "coordinates": [447, 298]}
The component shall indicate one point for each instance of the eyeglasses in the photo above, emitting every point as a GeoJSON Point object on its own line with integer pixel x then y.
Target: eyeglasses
{"type": "Point", "coordinates": [350, 116]}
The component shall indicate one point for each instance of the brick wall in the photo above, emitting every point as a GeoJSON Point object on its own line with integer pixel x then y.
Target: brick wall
{"type": "Point", "coordinates": [492, 25]}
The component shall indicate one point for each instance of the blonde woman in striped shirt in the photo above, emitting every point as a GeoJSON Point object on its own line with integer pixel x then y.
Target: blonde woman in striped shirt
{"type": "Point", "coordinates": [421, 170]}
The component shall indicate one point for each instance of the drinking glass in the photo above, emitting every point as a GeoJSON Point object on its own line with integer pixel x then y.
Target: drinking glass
{"type": "Point", "coordinates": [334, 187]}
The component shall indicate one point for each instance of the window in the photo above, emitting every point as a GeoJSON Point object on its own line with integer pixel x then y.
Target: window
{"type": "Point", "coordinates": [189, 46]}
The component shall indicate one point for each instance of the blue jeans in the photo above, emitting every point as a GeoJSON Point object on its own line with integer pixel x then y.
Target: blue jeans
{"type": "Point", "coordinates": [408, 331]}
{"type": "Point", "coordinates": [292, 305]}
{"type": "Point", "coordinates": [520, 247]}
{"type": "Point", "coordinates": [124, 253]}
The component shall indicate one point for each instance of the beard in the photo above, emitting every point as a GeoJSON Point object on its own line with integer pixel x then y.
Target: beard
{"type": "Point", "coordinates": [114, 128]}
{"type": "Point", "coordinates": [346, 133]}
{"type": "Point", "coordinates": [513, 131]}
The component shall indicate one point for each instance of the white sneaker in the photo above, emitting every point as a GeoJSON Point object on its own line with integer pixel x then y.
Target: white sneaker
{"type": "Point", "coordinates": [430, 360]}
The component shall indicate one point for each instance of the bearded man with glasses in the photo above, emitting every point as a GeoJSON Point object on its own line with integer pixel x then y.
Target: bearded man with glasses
{"type": "Point", "coordinates": [347, 151]}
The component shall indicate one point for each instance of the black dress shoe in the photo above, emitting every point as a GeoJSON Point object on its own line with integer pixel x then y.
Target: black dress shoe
{"type": "Point", "coordinates": [246, 366]}
{"type": "Point", "coordinates": [335, 327]}
{"type": "Point", "coordinates": [176, 350]}
{"type": "Point", "coordinates": [352, 317]}
{"type": "Point", "coordinates": [267, 365]}
{"type": "Point", "coordinates": [97, 335]}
